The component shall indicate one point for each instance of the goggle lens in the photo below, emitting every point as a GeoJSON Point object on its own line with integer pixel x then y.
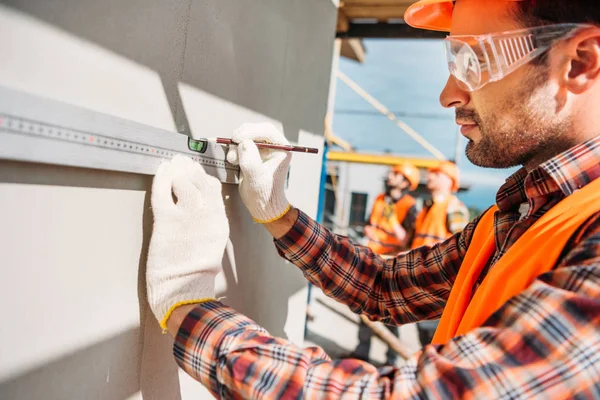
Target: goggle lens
{"type": "Point", "coordinates": [463, 64]}
{"type": "Point", "coordinates": [475, 60]}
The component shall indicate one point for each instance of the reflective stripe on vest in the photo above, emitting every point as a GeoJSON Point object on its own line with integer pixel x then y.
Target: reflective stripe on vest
{"type": "Point", "coordinates": [534, 253]}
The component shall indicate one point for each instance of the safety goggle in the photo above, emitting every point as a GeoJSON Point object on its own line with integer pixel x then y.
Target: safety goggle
{"type": "Point", "coordinates": [479, 59]}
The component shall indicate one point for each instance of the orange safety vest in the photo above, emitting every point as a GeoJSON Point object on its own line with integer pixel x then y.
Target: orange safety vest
{"type": "Point", "coordinates": [385, 240]}
{"type": "Point", "coordinates": [432, 224]}
{"type": "Point", "coordinates": [535, 252]}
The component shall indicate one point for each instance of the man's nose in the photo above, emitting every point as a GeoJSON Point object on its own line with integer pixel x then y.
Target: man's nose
{"type": "Point", "coordinates": [453, 96]}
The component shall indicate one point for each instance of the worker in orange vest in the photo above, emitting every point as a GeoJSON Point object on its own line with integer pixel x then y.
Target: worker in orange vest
{"type": "Point", "coordinates": [443, 214]}
{"type": "Point", "coordinates": [390, 229]}
{"type": "Point", "coordinates": [441, 217]}
{"type": "Point", "coordinates": [392, 219]}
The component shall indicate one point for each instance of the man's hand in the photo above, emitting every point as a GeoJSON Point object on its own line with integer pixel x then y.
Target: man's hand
{"type": "Point", "coordinates": [280, 227]}
{"type": "Point", "coordinates": [177, 316]}
{"type": "Point", "coordinates": [263, 171]}
{"type": "Point", "coordinates": [401, 234]}
{"type": "Point", "coordinates": [188, 239]}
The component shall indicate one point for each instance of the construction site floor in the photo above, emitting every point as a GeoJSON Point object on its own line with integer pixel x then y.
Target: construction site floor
{"type": "Point", "coordinates": [335, 328]}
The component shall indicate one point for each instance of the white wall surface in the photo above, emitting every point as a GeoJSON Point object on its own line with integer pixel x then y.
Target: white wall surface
{"type": "Point", "coordinates": [73, 241]}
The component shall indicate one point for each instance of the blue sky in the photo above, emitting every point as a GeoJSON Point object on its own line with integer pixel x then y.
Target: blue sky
{"type": "Point", "coordinates": [407, 76]}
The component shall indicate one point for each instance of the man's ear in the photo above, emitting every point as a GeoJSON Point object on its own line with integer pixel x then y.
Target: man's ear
{"type": "Point", "coordinates": [580, 67]}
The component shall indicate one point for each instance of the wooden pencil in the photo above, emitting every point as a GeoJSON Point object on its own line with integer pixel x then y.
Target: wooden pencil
{"type": "Point", "coordinates": [262, 145]}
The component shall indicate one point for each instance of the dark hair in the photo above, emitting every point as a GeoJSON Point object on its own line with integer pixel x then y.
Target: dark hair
{"type": "Point", "coordinates": [545, 12]}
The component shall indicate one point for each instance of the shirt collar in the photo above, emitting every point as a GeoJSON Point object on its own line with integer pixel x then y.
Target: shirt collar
{"type": "Point", "coordinates": [565, 173]}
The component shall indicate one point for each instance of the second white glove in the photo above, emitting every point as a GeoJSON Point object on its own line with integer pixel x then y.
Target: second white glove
{"type": "Point", "coordinates": [264, 172]}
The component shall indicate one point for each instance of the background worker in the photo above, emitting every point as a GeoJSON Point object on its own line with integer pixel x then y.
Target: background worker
{"type": "Point", "coordinates": [442, 216]}
{"type": "Point", "coordinates": [392, 221]}
{"type": "Point", "coordinates": [389, 231]}
{"type": "Point", "coordinates": [518, 290]}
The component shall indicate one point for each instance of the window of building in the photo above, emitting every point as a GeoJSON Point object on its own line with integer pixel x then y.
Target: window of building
{"type": "Point", "coordinates": [358, 209]}
{"type": "Point", "coordinates": [329, 206]}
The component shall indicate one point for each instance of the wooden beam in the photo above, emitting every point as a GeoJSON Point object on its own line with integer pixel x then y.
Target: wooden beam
{"type": "Point", "coordinates": [378, 12]}
{"type": "Point", "coordinates": [353, 49]}
{"type": "Point", "coordinates": [388, 337]}
{"type": "Point", "coordinates": [342, 22]}
{"type": "Point", "coordinates": [338, 141]}
{"type": "Point", "coordinates": [388, 31]}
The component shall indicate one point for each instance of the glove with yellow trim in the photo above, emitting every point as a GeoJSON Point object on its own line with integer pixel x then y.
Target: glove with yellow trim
{"type": "Point", "coordinates": [188, 239]}
{"type": "Point", "coordinates": [263, 172]}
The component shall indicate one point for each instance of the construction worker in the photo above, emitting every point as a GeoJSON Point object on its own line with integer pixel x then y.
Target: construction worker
{"type": "Point", "coordinates": [442, 216]}
{"type": "Point", "coordinates": [392, 221]}
{"type": "Point", "coordinates": [518, 290]}
{"type": "Point", "coordinates": [390, 230]}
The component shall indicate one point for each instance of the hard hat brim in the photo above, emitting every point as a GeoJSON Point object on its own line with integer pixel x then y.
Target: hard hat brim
{"type": "Point", "coordinates": [433, 15]}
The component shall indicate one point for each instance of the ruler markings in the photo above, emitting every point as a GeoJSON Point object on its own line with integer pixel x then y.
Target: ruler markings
{"type": "Point", "coordinates": [47, 131]}
{"type": "Point", "coordinates": [33, 128]}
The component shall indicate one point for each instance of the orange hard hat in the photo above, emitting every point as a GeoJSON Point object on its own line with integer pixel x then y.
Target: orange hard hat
{"type": "Point", "coordinates": [450, 169]}
{"type": "Point", "coordinates": [433, 15]}
{"type": "Point", "coordinates": [410, 173]}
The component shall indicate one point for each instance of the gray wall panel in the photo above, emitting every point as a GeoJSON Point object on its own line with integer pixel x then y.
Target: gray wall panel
{"type": "Point", "coordinates": [73, 241]}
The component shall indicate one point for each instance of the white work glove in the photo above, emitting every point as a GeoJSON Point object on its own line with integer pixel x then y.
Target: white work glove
{"type": "Point", "coordinates": [263, 172]}
{"type": "Point", "coordinates": [188, 238]}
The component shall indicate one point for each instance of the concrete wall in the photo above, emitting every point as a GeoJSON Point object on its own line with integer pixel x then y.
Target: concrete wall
{"type": "Point", "coordinates": [73, 241]}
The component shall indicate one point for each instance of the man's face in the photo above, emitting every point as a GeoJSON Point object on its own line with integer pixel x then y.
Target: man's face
{"type": "Point", "coordinates": [514, 121]}
{"type": "Point", "coordinates": [396, 180]}
{"type": "Point", "coordinates": [439, 182]}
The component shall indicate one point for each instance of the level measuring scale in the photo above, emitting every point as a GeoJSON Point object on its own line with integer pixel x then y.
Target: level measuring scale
{"type": "Point", "coordinates": [34, 129]}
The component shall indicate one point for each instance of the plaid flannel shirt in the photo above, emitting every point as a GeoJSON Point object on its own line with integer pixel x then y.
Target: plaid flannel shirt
{"type": "Point", "coordinates": [545, 342]}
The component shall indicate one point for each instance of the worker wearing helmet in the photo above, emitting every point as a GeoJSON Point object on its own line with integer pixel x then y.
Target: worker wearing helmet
{"type": "Point", "coordinates": [517, 291]}
{"type": "Point", "coordinates": [390, 230]}
{"type": "Point", "coordinates": [392, 219]}
{"type": "Point", "coordinates": [442, 216]}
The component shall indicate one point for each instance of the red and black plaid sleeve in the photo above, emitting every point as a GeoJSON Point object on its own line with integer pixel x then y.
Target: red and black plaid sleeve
{"type": "Point", "coordinates": [413, 286]}
{"type": "Point", "coordinates": [543, 343]}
